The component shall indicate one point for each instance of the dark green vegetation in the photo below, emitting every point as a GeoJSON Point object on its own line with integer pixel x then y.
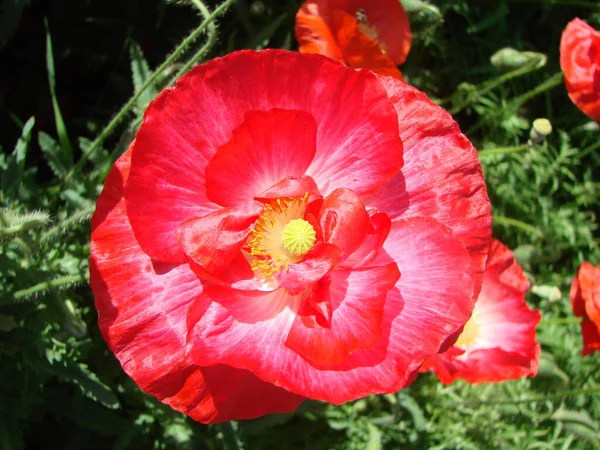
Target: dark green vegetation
{"type": "Point", "coordinates": [60, 86]}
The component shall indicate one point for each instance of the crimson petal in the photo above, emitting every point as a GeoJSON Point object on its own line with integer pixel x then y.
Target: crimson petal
{"type": "Point", "coordinates": [267, 147]}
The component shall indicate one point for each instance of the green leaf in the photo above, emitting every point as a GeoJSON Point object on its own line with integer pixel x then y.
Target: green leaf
{"type": "Point", "coordinates": [65, 151]}
{"type": "Point", "coordinates": [410, 404]}
{"type": "Point", "coordinates": [11, 178]}
{"type": "Point", "coordinates": [91, 385]}
{"type": "Point", "coordinates": [579, 423]}
{"type": "Point", "coordinates": [375, 435]}
{"type": "Point", "coordinates": [140, 73]}
{"type": "Point", "coordinates": [52, 152]}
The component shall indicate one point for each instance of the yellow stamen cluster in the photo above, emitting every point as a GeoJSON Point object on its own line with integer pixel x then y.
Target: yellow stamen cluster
{"type": "Point", "coordinates": [281, 237]}
{"type": "Point", "coordinates": [469, 334]}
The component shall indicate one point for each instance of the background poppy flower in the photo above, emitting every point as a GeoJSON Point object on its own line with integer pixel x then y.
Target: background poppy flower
{"type": "Point", "coordinates": [585, 300]}
{"type": "Point", "coordinates": [498, 342]}
{"type": "Point", "coordinates": [580, 62]}
{"type": "Point", "coordinates": [285, 227]}
{"type": "Point", "coordinates": [374, 35]}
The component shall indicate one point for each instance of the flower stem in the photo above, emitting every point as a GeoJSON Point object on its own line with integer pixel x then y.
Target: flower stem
{"type": "Point", "coordinates": [46, 285]}
{"type": "Point", "coordinates": [151, 79]}
{"type": "Point", "coordinates": [508, 222]}
{"type": "Point", "coordinates": [502, 150]}
{"type": "Point", "coordinates": [212, 39]}
{"type": "Point", "coordinates": [487, 86]}
{"type": "Point", "coordinates": [550, 83]}
{"type": "Point", "coordinates": [561, 320]}
{"type": "Point", "coordinates": [592, 148]}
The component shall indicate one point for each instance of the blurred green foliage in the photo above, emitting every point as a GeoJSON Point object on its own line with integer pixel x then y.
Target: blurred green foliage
{"type": "Point", "coordinates": [61, 388]}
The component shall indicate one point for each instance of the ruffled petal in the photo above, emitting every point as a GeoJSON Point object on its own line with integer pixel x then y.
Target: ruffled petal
{"type": "Point", "coordinates": [314, 34]}
{"type": "Point", "coordinates": [249, 330]}
{"type": "Point", "coordinates": [142, 306]}
{"type": "Point", "coordinates": [377, 232]}
{"type": "Point", "coordinates": [360, 51]}
{"type": "Point", "coordinates": [357, 300]}
{"type": "Point", "coordinates": [386, 18]}
{"type": "Point", "coordinates": [357, 143]}
{"type": "Point", "coordinates": [580, 62]}
{"type": "Point", "coordinates": [291, 187]}
{"type": "Point", "coordinates": [213, 241]}
{"type": "Point", "coordinates": [441, 177]}
{"type": "Point", "coordinates": [585, 301]}
{"type": "Point", "coordinates": [343, 220]}
{"type": "Point", "coordinates": [267, 147]}
{"type": "Point", "coordinates": [317, 263]}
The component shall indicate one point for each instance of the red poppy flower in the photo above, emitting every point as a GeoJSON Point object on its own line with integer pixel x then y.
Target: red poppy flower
{"type": "Point", "coordinates": [374, 35]}
{"type": "Point", "coordinates": [261, 241]}
{"type": "Point", "coordinates": [498, 342]}
{"type": "Point", "coordinates": [585, 300]}
{"type": "Point", "coordinates": [580, 62]}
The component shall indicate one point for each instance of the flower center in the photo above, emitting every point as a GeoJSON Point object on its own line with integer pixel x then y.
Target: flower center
{"type": "Point", "coordinates": [298, 237]}
{"type": "Point", "coordinates": [367, 29]}
{"type": "Point", "coordinates": [281, 237]}
{"type": "Point", "coordinates": [469, 334]}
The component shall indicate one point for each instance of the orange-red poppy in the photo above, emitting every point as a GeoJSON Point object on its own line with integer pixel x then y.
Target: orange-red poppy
{"type": "Point", "coordinates": [580, 62]}
{"type": "Point", "coordinates": [374, 35]}
{"type": "Point", "coordinates": [585, 300]}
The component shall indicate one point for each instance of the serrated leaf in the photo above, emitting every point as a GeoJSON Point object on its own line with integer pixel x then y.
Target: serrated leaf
{"type": "Point", "coordinates": [51, 151]}
{"type": "Point", "coordinates": [140, 73]}
{"type": "Point", "coordinates": [579, 423]}
{"type": "Point", "coordinates": [375, 435]}
{"type": "Point", "coordinates": [11, 178]}
{"type": "Point", "coordinates": [88, 382]}
{"type": "Point", "coordinates": [410, 404]}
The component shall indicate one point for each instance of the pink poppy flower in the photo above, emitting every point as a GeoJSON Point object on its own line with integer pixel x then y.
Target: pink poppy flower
{"type": "Point", "coordinates": [498, 342]}
{"type": "Point", "coordinates": [284, 227]}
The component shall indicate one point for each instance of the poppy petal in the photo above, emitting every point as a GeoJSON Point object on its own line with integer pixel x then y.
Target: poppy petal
{"type": "Point", "coordinates": [357, 142]}
{"type": "Point", "coordinates": [316, 32]}
{"type": "Point", "coordinates": [498, 343]}
{"type": "Point", "coordinates": [442, 177]}
{"type": "Point", "coordinates": [580, 62]}
{"type": "Point", "coordinates": [266, 148]}
{"type": "Point", "coordinates": [213, 241]}
{"type": "Point", "coordinates": [585, 301]}
{"type": "Point", "coordinates": [357, 301]}
{"type": "Point", "coordinates": [301, 276]}
{"type": "Point", "coordinates": [344, 221]}
{"type": "Point", "coordinates": [360, 51]}
{"type": "Point", "coordinates": [142, 306]}
{"type": "Point", "coordinates": [434, 269]}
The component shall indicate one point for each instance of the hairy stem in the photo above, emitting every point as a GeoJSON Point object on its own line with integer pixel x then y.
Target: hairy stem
{"type": "Point", "coordinates": [151, 79]}
{"type": "Point", "coordinates": [502, 150]}
{"type": "Point", "coordinates": [508, 222]}
{"type": "Point", "coordinates": [47, 285]}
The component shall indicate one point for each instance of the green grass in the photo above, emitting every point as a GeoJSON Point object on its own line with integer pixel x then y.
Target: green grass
{"type": "Point", "coordinates": [60, 387]}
